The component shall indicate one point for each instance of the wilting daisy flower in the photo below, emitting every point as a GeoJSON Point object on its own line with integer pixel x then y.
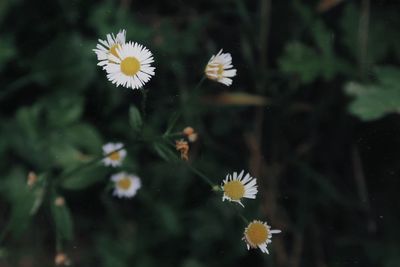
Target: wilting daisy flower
{"type": "Point", "coordinates": [236, 187]}
{"type": "Point", "coordinates": [108, 47]}
{"type": "Point", "coordinates": [183, 147]}
{"type": "Point", "coordinates": [219, 68]}
{"type": "Point", "coordinates": [258, 235]}
{"type": "Point", "coordinates": [131, 67]}
{"type": "Point", "coordinates": [126, 185]}
{"type": "Point", "coordinates": [190, 134]}
{"type": "Point", "coordinates": [115, 154]}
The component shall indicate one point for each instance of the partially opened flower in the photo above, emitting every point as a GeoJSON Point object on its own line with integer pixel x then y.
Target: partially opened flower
{"type": "Point", "coordinates": [258, 235]}
{"type": "Point", "coordinates": [220, 68]}
{"type": "Point", "coordinates": [236, 187]}
{"type": "Point", "coordinates": [131, 66]}
{"type": "Point", "coordinates": [108, 47]}
{"type": "Point", "coordinates": [114, 153]}
{"type": "Point", "coordinates": [126, 185]}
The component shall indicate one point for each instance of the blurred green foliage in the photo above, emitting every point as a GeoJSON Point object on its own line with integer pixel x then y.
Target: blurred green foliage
{"type": "Point", "coordinates": [309, 114]}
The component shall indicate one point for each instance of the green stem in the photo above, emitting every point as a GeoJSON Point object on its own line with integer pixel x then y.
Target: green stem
{"type": "Point", "coordinates": [238, 213]}
{"type": "Point", "coordinates": [202, 176]}
{"type": "Point", "coordinates": [86, 165]}
{"type": "Point", "coordinates": [144, 99]}
{"type": "Point", "coordinates": [199, 83]}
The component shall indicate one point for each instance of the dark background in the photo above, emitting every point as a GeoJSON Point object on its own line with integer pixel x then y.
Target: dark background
{"type": "Point", "coordinates": [311, 114]}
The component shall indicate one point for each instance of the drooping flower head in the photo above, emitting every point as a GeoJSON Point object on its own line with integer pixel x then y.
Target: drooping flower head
{"type": "Point", "coordinates": [236, 187]}
{"type": "Point", "coordinates": [108, 47]}
{"type": "Point", "coordinates": [258, 234]}
{"type": "Point", "coordinates": [220, 68]}
{"type": "Point", "coordinates": [115, 154]}
{"type": "Point", "coordinates": [183, 147]}
{"type": "Point", "coordinates": [126, 185]}
{"type": "Point", "coordinates": [190, 133]}
{"type": "Point", "coordinates": [130, 67]}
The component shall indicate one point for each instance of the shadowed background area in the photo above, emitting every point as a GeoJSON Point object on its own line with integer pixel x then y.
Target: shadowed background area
{"type": "Point", "coordinates": [311, 114]}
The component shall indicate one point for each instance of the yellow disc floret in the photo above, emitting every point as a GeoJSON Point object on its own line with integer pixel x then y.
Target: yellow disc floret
{"type": "Point", "coordinates": [220, 70]}
{"type": "Point", "coordinates": [115, 156]}
{"type": "Point", "coordinates": [130, 66]}
{"type": "Point", "coordinates": [234, 190]}
{"type": "Point", "coordinates": [124, 183]}
{"type": "Point", "coordinates": [256, 233]}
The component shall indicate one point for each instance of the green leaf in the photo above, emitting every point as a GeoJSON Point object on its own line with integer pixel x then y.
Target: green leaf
{"type": "Point", "coordinates": [84, 178]}
{"type": "Point", "coordinates": [21, 197]}
{"type": "Point", "coordinates": [373, 101]}
{"type": "Point", "coordinates": [39, 190]}
{"type": "Point", "coordinates": [135, 119]}
{"type": "Point", "coordinates": [172, 122]}
{"type": "Point", "coordinates": [62, 219]}
{"type": "Point", "coordinates": [7, 49]}
{"type": "Point", "coordinates": [301, 60]}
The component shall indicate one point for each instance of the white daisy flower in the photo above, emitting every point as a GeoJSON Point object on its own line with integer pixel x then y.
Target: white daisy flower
{"type": "Point", "coordinates": [258, 235]}
{"type": "Point", "coordinates": [115, 154]}
{"type": "Point", "coordinates": [126, 185]}
{"type": "Point", "coordinates": [235, 188]}
{"type": "Point", "coordinates": [219, 68]}
{"type": "Point", "coordinates": [108, 47]}
{"type": "Point", "coordinates": [131, 68]}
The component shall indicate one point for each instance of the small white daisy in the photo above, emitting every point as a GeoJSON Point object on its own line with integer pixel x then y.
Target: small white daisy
{"type": "Point", "coordinates": [258, 235]}
{"type": "Point", "coordinates": [235, 188]}
{"type": "Point", "coordinates": [219, 68]}
{"type": "Point", "coordinates": [131, 68]}
{"type": "Point", "coordinates": [126, 185]}
{"type": "Point", "coordinates": [113, 158]}
{"type": "Point", "coordinates": [108, 47]}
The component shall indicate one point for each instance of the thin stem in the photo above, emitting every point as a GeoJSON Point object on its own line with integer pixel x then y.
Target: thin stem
{"type": "Point", "coordinates": [363, 37]}
{"type": "Point", "coordinates": [144, 99]}
{"type": "Point", "coordinates": [199, 83]}
{"type": "Point", "coordinates": [238, 213]}
{"type": "Point", "coordinates": [264, 30]}
{"type": "Point", "coordinates": [202, 176]}
{"type": "Point", "coordinates": [86, 165]}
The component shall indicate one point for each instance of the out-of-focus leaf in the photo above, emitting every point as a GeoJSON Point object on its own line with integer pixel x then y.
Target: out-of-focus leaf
{"type": "Point", "coordinates": [374, 101]}
{"type": "Point", "coordinates": [15, 189]}
{"type": "Point", "coordinates": [70, 72]}
{"type": "Point", "coordinates": [84, 137]}
{"type": "Point", "coordinates": [62, 220]}
{"type": "Point", "coordinates": [236, 99]}
{"type": "Point", "coordinates": [379, 45]}
{"type": "Point", "coordinates": [301, 60]}
{"type": "Point", "coordinates": [7, 49]}
{"type": "Point", "coordinates": [38, 189]}
{"type": "Point", "coordinates": [168, 220]}
{"type": "Point", "coordinates": [84, 178]}
{"type": "Point", "coordinates": [135, 119]}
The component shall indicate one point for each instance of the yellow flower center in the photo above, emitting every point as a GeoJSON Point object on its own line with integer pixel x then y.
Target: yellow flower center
{"type": "Point", "coordinates": [124, 183]}
{"type": "Point", "coordinates": [130, 66]}
{"type": "Point", "coordinates": [234, 190]}
{"type": "Point", "coordinates": [256, 233]}
{"type": "Point", "coordinates": [220, 70]}
{"type": "Point", "coordinates": [114, 156]}
{"type": "Point", "coordinates": [113, 50]}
